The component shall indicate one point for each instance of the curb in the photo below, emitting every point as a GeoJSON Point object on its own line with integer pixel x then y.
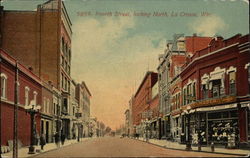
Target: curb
{"type": "Point", "coordinates": [34, 155]}
{"type": "Point", "coordinates": [191, 150]}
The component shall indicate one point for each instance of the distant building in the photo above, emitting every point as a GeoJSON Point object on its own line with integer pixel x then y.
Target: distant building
{"type": "Point", "coordinates": [142, 99]}
{"type": "Point", "coordinates": [127, 116]}
{"type": "Point", "coordinates": [83, 96]}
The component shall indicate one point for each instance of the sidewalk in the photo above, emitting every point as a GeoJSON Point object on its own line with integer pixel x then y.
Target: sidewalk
{"type": "Point", "coordinates": [177, 146]}
{"type": "Point", "coordinates": [23, 152]}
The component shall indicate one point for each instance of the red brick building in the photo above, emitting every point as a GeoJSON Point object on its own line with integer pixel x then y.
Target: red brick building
{"type": "Point", "coordinates": [215, 92]}
{"type": "Point", "coordinates": [143, 101]}
{"type": "Point", "coordinates": [41, 40]}
{"type": "Point", "coordinates": [29, 89]}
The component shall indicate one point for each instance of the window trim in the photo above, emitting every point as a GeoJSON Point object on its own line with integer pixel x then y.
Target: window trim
{"type": "Point", "coordinates": [26, 96]}
{"type": "Point", "coordinates": [5, 78]}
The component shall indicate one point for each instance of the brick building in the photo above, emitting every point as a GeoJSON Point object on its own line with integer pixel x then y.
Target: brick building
{"type": "Point", "coordinates": [142, 100]}
{"type": "Point", "coordinates": [215, 88]}
{"type": "Point", "coordinates": [170, 64]}
{"type": "Point", "coordinates": [41, 40]}
{"type": "Point", "coordinates": [83, 97]}
{"type": "Point", "coordinates": [29, 88]}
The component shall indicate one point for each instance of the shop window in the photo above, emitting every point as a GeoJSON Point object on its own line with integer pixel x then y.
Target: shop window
{"type": "Point", "coordinates": [232, 85]}
{"type": "Point", "coordinates": [216, 115]}
{"type": "Point", "coordinates": [233, 113]}
{"type": "Point", "coordinates": [26, 95]}
{"type": "Point", "coordinates": [225, 114]}
{"type": "Point", "coordinates": [3, 85]}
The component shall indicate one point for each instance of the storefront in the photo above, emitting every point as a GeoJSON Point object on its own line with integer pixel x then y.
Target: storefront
{"type": "Point", "coordinates": [223, 127]}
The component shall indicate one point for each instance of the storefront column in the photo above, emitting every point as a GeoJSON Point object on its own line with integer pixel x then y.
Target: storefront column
{"type": "Point", "coordinates": [242, 121]}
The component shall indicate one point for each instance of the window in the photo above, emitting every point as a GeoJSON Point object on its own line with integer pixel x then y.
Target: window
{"type": "Point", "coordinates": [48, 109]}
{"type": "Point", "coordinates": [216, 88]}
{"type": "Point", "coordinates": [248, 78]}
{"type": "Point", "coordinates": [54, 108]}
{"type": "Point", "coordinates": [204, 91]}
{"type": "Point", "coordinates": [68, 86]}
{"type": "Point", "coordinates": [194, 92]}
{"type": "Point", "coordinates": [44, 105]}
{"type": "Point", "coordinates": [62, 78]}
{"type": "Point", "coordinates": [65, 83]}
{"type": "Point", "coordinates": [27, 89]}
{"type": "Point", "coordinates": [184, 96]}
{"type": "Point", "coordinates": [3, 85]}
{"type": "Point", "coordinates": [35, 96]}
{"type": "Point", "coordinates": [232, 85]}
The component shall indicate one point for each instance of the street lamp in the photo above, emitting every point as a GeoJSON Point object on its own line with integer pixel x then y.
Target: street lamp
{"type": "Point", "coordinates": [32, 109]}
{"type": "Point", "coordinates": [188, 143]}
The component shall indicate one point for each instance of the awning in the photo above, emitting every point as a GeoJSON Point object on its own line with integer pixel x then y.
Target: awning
{"type": "Point", "coordinates": [220, 107]}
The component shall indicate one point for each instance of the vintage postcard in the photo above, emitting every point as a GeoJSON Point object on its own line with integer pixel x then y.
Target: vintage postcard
{"type": "Point", "coordinates": [124, 78]}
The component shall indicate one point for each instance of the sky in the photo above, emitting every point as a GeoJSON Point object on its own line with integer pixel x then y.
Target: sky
{"type": "Point", "coordinates": [115, 42]}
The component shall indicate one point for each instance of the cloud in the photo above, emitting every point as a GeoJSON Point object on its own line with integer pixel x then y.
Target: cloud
{"type": "Point", "coordinates": [111, 61]}
{"type": "Point", "coordinates": [208, 26]}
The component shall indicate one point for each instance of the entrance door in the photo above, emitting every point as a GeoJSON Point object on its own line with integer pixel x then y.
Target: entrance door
{"type": "Point", "coordinates": [47, 131]}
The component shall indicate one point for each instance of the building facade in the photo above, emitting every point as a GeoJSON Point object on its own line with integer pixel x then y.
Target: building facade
{"type": "Point", "coordinates": [41, 40]}
{"type": "Point", "coordinates": [215, 92]}
{"type": "Point", "coordinates": [29, 92]}
{"type": "Point", "coordinates": [170, 64]}
{"type": "Point", "coordinates": [141, 103]}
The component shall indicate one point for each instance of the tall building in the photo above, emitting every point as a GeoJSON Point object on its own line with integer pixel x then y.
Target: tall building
{"type": "Point", "coordinates": [41, 40]}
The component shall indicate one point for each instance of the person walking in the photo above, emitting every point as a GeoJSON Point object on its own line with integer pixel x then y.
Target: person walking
{"type": "Point", "coordinates": [57, 139]}
{"type": "Point", "coordinates": [62, 138]}
{"type": "Point", "coordinates": [42, 141]}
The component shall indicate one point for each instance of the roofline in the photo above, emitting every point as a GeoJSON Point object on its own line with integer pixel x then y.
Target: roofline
{"type": "Point", "coordinates": [84, 84]}
{"type": "Point", "coordinates": [144, 79]}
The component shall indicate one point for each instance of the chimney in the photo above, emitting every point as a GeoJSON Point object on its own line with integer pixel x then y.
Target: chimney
{"type": "Point", "coordinates": [194, 34]}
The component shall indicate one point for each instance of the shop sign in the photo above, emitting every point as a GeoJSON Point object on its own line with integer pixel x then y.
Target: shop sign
{"type": "Point", "coordinates": [215, 101]}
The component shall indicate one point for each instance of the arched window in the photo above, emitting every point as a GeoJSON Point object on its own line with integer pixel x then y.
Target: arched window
{"type": "Point", "coordinates": [3, 85]}
{"type": "Point", "coordinates": [27, 89]}
{"type": "Point", "coordinates": [35, 97]}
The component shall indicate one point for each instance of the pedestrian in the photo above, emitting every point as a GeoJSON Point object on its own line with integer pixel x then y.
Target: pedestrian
{"type": "Point", "coordinates": [62, 138]}
{"type": "Point", "coordinates": [42, 141]}
{"type": "Point", "coordinates": [57, 139]}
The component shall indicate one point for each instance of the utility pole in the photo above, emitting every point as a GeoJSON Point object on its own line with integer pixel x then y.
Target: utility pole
{"type": "Point", "coordinates": [0, 104]}
{"type": "Point", "coordinates": [15, 140]}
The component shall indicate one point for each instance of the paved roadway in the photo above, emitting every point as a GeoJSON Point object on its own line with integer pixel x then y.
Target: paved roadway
{"type": "Point", "coordinates": [120, 147]}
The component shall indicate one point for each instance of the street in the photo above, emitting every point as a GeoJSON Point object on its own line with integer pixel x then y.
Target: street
{"type": "Point", "coordinates": [120, 147]}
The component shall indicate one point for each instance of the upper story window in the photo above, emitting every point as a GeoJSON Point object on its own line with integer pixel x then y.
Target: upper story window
{"type": "Point", "coordinates": [26, 95]}
{"type": "Point", "coordinates": [3, 85]}
{"type": "Point", "coordinates": [216, 84]}
{"type": "Point", "coordinates": [48, 106]}
{"type": "Point", "coordinates": [35, 97]}
{"type": "Point", "coordinates": [232, 83]}
{"type": "Point", "coordinates": [248, 68]}
{"type": "Point", "coordinates": [44, 104]}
